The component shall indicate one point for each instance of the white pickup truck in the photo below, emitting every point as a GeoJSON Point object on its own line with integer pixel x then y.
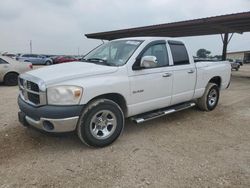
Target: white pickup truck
{"type": "Point", "coordinates": [138, 78]}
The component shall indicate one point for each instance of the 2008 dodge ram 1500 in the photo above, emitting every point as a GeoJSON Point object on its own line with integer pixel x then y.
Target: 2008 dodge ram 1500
{"type": "Point", "coordinates": [141, 78]}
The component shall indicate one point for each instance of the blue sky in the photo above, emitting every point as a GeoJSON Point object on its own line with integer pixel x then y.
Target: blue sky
{"type": "Point", "coordinates": [58, 26]}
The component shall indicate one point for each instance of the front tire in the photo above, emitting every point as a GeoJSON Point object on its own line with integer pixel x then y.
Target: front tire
{"type": "Point", "coordinates": [210, 98]}
{"type": "Point", "coordinates": [11, 79]}
{"type": "Point", "coordinates": [101, 123]}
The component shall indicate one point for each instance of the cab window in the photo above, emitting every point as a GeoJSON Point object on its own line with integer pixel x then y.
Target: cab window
{"type": "Point", "coordinates": [179, 53]}
{"type": "Point", "coordinates": [160, 52]}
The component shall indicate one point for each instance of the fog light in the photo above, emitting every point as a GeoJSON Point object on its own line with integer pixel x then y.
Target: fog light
{"type": "Point", "coordinates": [47, 125]}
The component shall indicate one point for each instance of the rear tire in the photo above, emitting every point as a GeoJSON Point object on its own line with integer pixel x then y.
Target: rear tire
{"type": "Point", "coordinates": [48, 63]}
{"type": "Point", "coordinates": [210, 98]}
{"type": "Point", "coordinates": [11, 79]}
{"type": "Point", "coordinates": [101, 123]}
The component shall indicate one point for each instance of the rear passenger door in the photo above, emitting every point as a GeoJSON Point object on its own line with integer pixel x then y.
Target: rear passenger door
{"type": "Point", "coordinates": [35, 59]}
{"type": "Point", "coordinates": [29, 58]}
{"type": "Point", "coordinates": [184, 73]}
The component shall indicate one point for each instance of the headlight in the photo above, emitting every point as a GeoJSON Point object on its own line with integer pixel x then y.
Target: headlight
{"type": "Point", "coordinates": [64, 95]}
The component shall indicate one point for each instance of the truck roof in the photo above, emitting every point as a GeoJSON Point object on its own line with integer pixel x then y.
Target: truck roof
{"type": "Point", "coordinates": [149, 38]}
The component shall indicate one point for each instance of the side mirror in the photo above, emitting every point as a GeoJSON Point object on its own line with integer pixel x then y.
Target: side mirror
{"type": "Point", "coordinates": [148, 62]}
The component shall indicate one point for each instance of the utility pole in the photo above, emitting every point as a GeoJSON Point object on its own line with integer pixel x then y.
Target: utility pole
{"type": "Point", "coordinates": [31, 46]}
{"type": "Point", "coordinates": [78, 51]}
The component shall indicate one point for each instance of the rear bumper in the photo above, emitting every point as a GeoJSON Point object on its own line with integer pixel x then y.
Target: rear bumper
{"type": "Point", "coordinates": [49, 118]}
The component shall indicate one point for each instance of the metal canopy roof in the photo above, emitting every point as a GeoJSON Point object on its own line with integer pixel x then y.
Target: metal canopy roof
{"type": "Point", "coordinates": [231, 23]}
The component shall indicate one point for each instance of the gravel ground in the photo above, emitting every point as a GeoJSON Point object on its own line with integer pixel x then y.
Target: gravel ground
{"type": "Point", "coordinates": [186, 149]}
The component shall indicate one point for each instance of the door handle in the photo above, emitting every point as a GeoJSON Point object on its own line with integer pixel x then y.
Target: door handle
{"type": "Point", "coordinates": [167, 75]}
{"type": "Point", "coordinates": [191, 71]}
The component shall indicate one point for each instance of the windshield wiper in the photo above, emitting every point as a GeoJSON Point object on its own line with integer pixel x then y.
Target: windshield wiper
{"type": "Point", "coordinates": [97, 61]}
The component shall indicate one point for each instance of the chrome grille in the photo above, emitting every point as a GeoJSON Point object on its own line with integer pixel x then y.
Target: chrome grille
{"type": "Point", "coordinates": [32, 86]}
{"type": "Point", "coordinates": [30, 92]}
{"type": "Point", "coordinates": [34, 98]}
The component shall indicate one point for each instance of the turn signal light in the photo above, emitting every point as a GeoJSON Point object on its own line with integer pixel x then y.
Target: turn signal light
{"type": "Point", "coordinates": [77, 93]}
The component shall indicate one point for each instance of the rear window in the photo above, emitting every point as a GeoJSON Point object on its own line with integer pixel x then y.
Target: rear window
{"type": "Point", "coordinates": [29, 55]}
{"type": "Point", "coordinates": [179, 53]}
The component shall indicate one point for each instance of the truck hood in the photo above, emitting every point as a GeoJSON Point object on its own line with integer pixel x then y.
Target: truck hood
{"type": "Point", "coordinates": [67, 71]}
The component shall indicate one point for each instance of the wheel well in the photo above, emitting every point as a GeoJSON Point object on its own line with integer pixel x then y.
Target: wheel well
{"type": "Point", "coordinates": [117, 98]}
{"type": "Point", "coordinates": [216, 80]}
{"type": "Point", "coordinates": [49, 61]}
{"type": "Point", "coordinates": [9, 73]}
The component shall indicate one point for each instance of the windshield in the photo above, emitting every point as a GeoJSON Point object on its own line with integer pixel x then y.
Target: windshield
{"type": "Point", "coordinates": [114, 53]}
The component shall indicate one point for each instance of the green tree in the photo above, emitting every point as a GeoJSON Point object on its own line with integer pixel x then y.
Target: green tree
{"type": "Point", "coordinates": [203, 53]}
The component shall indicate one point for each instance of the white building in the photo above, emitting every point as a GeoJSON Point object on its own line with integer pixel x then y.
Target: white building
{"type": "Point", "coordinates": [242, 55]}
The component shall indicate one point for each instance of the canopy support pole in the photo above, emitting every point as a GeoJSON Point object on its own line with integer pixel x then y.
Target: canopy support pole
{"type": "Point", "coordinates": [225, 43]}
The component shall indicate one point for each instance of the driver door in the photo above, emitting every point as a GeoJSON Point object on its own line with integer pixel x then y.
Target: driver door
{"type": "Point", "coordinates": [151, 88]}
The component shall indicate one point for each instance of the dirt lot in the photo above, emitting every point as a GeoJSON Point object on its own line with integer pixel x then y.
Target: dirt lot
{"type": "Point", "coordinates": [187, 149]}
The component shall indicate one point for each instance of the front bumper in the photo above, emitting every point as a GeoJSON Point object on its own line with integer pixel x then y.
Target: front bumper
{"type": "Point", "coordinates": [49, 118]}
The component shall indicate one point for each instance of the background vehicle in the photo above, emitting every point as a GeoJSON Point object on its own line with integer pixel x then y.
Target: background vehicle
{"type": "Point", "coordinates": [63, 59]}
{"type": "Point", "coordinates": [247, 61]}
{"type": "Point", "coordinates": [35, 59]}
{"type": "Point", "coordinates": [139, 78]}
{"type": "Point", "coordinates": [235, 65]}
{"type": "Point", "coordinates": [239, 61]}
{"type": "Point", "coordinates": [10, 69]}
{"type": "Point", "coordinates": [13, 56]}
